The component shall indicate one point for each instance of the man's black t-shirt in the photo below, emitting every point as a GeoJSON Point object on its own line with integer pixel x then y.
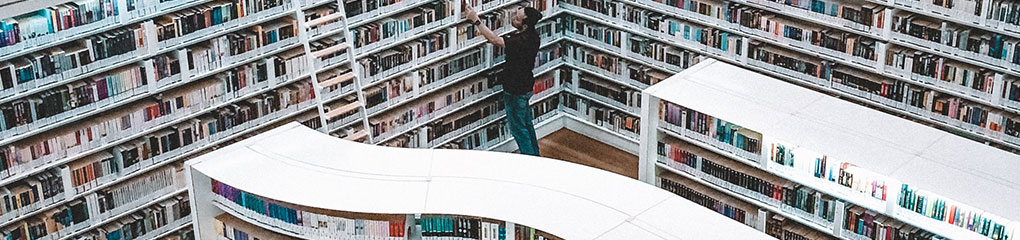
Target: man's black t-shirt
{"type": "Point", "coordinates": [520, 48]}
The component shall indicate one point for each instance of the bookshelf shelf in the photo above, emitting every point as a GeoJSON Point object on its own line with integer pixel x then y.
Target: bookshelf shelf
{"type": "Point", "coordinates": [911, 153]}
{"type": "Point", "coordinates": [111, 23]}
{"type": "Point", "coordinates": [168, 120]}
{"type": "Point", "coordinates": [762, 202]}
{"type": "Point", "coordinates": [141, 205]}
{"type": "Point", "coordinates": [192, 39]}
{"type": "Point", "coordinates": [877, 101]}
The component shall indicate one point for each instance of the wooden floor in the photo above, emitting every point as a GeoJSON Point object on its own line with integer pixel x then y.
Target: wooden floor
{"type": "Point", "coordinates": [574, 147]}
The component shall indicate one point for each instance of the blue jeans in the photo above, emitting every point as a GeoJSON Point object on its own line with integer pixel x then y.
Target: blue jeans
{"type": "Point", "coordinates": [519, 122]}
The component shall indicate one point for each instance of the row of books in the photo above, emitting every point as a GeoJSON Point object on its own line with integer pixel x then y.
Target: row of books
{"type": "Point", "coordinates": [136, 114]}
{"type": "Point", "coordinates": [849, 43]}
{"type": "Point", "coordinates": [820, 166]}
{"type": "Point", "coordinates": [623, 95]}
{"type": "Point", "coordinates": [549, 54]}
{"type": "Point", "coordinates": [216, 52]}
{"type": "Point", "coordinates": [608, 62]}
{"type": "Point", "coordinates": [894, 90]}
{"type": "Point", "coordinates": [866, 14]}
{"type": "Point", "coordinates": [117, 84]}
{"type": "Point", "coordinates": [441, 70]}
{"type": "Point", "coordinates": [92, 171]}
{"type": "Point", "coordinates": [138, 188]}
{"type": "Point", "coordinates": [965, 38]}
{"type": "Point", "coordinates": [438, 227]}
{"type": "Point", "coordinates": [426, 107]}
{"type": "Point", "coordinates": [598, 32]}
{"type": "Point", "coordinates": [784, 192]}
{"type": "Point", "coordinates": [69, 59]}
{"type": "Point", "coordinates": [229, 227]}
{"type": "Point", "coordinates": [30, 192]}
{"type": "Point", "coordinates": [718, 129]}
{"type": "Point", "coordinates": [358, 7]}
{"type": "Point", "coordinates": [207, 15]}
{"type": "Point", "coordinates": [154, 144]}
{"type": "Point", "coordinates": [782, 228]}
{"type": "Point", "coordinates": [307, 218]}
{"type": "Point", "coordinates": [862, 222]}
{"type": "Point", "coordinates": [855, 219]}
{"type": "Point", "coordinates": [54, 19]}
{"type": "Point", "coordinates": [649, 75]}
{"type": "Point", "coordinates": [65, 216]}
{"type": "Point", "coordinates": [942, 69]}
{"type": "Point", "coordinates": [710, 199]}
{"type": "Point", "coordinates": [185, 233]}
{"type": "Point", "coordinates": [601, 115]}
{"type": "Point", "coordinates": [781, 58]}
{"type": "Point", "coordinates": [662, 52]}
{"type": "Point", "coordinates": [1003, 11]}
{"type": "Point", "coordinates": [144, 222]}
{"type": "Point", "coordinates": [410, 20]}
{"type": "Point", "coordinates": [939, 208]}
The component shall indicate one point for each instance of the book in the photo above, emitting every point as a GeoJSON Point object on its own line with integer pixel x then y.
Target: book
{"type": "Point", "coordinates": [54, 19]}
{"type": "Point", "coordinates": [409, 20]}
{"type": "Point", "coordinates": [722, 131]}
{"type": "Point", "coordinates": [708, 198]}
{"type": "Point", "coordinates": [604, 116]}
{"type": "Point", "coordinates": [330, 223]}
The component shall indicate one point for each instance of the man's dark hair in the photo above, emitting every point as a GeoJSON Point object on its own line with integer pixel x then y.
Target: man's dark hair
{"type": "Point", "coordinates": [531, 17]}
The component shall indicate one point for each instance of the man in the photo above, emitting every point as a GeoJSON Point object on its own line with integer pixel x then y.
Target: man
{"type": "Point", "coordinates": [517, 77]}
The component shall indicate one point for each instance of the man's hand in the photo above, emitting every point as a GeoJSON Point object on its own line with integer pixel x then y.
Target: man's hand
{"type": "Point", "coordinates": [469, 12]}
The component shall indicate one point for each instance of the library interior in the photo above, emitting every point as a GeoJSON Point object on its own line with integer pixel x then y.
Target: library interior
{"type": "Point", "coordinates": [401, 119]}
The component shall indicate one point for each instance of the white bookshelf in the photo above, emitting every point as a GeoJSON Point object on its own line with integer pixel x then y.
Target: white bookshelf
{"type": "Point", "coordinates": [503, 186]}
{"type": "Point", "coordinates": [893, 149]}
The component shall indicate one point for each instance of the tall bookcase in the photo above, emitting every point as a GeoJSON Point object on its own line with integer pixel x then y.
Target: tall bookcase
{"type": "Point", "coordinates": [783, 153]}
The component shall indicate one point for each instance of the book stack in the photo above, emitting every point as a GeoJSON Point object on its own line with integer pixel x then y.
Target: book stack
{"type": "Point", "coordinates": [771, 55]}
{"type": "Point", "coordinates": [311, 222]}
{"type": "Point", "coordinates": [436, 227]}
{"type": "Point", "coordinates": [54, 19]}
{"type": "Point", "coordinates": [709, 198]}
{"type": "Point", "coordinates": [862, 222]}
{"type": "Point", "coordinates": [229, 227]}
{"type": "Point", "coordinates": [607, 117]}
{"type": "Point", "coordinates": [441, 71]}
{"type": "Point", "coordinates": [410, 20]}
{"type": "Point", "coordinates": [208, 15]}
{"type": "Point", "coordinates": [596, 58]}
{"type": "Point", "coordinates": [769, 189]}
{"type": "Point", "coordinates": [144, 222]}
{"type": "Point", "coordinates": [725, 132]}
{"type": "Point", "coordinates": [939, 208]}
{"type": "Point", "coordinates": [618, 93]}
{"type": "Point", "coordinates": [782, 228]}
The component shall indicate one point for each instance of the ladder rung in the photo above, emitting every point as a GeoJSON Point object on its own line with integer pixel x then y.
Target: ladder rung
{"type": "Point", "coordinates": [330, 50]}
{"type": "Point", "coordinates": [344, 109]}
{"type": "Point", "coordinates": [324, 19]}
{"type": "Point", "coordinates": [338, 79]}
